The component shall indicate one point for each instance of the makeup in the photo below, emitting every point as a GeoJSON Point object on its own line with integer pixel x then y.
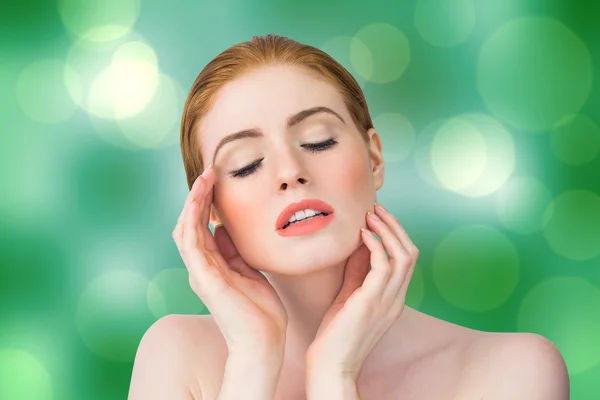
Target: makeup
{"type": "Point", "coordinates": [307, 226]}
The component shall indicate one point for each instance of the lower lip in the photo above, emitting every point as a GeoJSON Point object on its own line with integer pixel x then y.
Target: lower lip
{"type": "Point", "coordinates": [306, 227]}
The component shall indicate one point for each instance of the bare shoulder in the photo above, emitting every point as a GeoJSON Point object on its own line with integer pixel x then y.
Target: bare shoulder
{"type": "Point", "coordinates": [178, 354]}
{"type": "Point", "coordinates": [514, 366]}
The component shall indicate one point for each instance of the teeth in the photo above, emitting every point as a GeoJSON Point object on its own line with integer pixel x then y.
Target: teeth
{"type": "Point", "coordinates": [303, 214]}
{"type": "Point", "coordinates": [300, 215]}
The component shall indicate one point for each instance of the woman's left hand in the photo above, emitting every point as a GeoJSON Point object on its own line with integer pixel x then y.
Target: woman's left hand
{"type": "Point", "coordinates": [360, 315]}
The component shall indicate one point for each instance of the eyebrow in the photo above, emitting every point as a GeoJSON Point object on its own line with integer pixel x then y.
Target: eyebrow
{"type": "Point", "coordinates": [293, 120]}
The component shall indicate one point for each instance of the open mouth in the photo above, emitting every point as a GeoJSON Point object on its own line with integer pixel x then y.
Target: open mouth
{"type": "Point", "coordinates": [305, 219]}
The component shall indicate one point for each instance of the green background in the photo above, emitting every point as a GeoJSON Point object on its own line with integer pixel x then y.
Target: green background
{"type": "Point", "coordinates": [489, 114]}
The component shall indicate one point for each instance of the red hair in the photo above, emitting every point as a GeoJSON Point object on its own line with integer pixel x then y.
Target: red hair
{"type": "Point", "coordinates": [262, 50]}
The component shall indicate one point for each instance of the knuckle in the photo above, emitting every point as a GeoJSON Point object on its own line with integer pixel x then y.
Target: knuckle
{"type": "Point", "coordinates": [186, 248]}
{"type": "Point", "coordinates": [387, 269]}
{"type": "Point", "coordinates": [407, 261]}
{"type": "Point", "coordinates": [196, 284]}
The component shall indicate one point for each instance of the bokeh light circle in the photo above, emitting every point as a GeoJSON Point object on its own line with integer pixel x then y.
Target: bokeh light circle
{"type": "Point", "coordinates": [157, 125]}
{"type": "Point", "coordinates": [575, 139]}
{"type": "Point", "coordinates": [573, 229]}
{"type": "Point", "coordinates": [385, 54]}
{"type": "Point", "coordinates": [422, 153]}
{"type": "Point", "coordinates": [533, 71]}
{"type": "Point", "coordinates": [23, 377]}
{"type": "Point", "coordinates": [169, 292]}
{"type": "Point", "coordinates": [522, 205]}
{"type": "Point", "coordinates": [476, 268]}
{"type": "Point", "coordinates": [565, 310]}
{"type": "Point", "coordinates": [339, 48]}
{"type": "Point", "coordinates": [444, 23]}
{"type": "Point", "coordinates": [397, 136]}
{"type": "Point", "coordinates": [42, 93]}
{"type": "Point", "coordinates": [112, 314]}
{"type": "Point", "coordinates": [114, 80]}
{"type": "Point", "coordinates": [458, 154]}
{"type": "Point", "coordinates": [472, 154]}
{"type": "Point", "coordinates": [125, 87]}
{"type": "Point", "coordinates": [99, 21]}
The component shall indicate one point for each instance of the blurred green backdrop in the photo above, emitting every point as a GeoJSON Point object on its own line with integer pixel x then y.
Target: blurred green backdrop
{"type": "Point", "coordinates": [489, 113]}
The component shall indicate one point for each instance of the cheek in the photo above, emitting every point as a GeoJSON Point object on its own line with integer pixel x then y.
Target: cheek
{"type": "Point", "coordinates": [235, 206]}
{"type": "Point", "coordinates": [354, 177]}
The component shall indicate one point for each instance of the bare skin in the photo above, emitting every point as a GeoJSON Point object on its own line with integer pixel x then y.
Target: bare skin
{"type": "Point", "coordinates": [418, 357]}
{"type": "Point", "coordinates": [184, 357]}
{"type": "Point", "coordinates": [426, 359]}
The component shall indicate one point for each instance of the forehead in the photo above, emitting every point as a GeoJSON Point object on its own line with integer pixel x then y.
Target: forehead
{"type": "Point", "coordinates": [264, 98]}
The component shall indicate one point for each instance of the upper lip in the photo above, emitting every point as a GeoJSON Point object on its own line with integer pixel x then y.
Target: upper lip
{"type": "Point", "coordinates": [291, 209]}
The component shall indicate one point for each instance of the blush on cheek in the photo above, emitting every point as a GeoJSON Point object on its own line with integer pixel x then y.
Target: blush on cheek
{"type": "Point", "coordinates": [243, 213]}
{"type": "Point", "coordinates": [355, 175]}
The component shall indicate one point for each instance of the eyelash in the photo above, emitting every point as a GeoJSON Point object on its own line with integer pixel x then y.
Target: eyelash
{"type": "Point", "coordinates": [312, 147]}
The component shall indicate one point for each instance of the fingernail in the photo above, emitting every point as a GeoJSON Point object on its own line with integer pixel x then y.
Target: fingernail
{"type": "Point", "coordinates": [382, 208]}
{"type": "Point", "coordinates": [373, 216]}
{"type": "Point", "coordinates": [368, 232]}
{"type": "Point", "coordinates": [206, 170]}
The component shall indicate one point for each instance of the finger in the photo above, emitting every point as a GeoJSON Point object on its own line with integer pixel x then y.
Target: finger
{"type": "Point", "coordinates": [232, 256]}
{"type": "Point", "coordinates": [205, 272]}
{"type": "Point", "coordinates": [391, 242]}
{"type": "Point", "coordinates": [178, 230]}
{"type": "Point", "coordinates": [209, 177]}
{"type": "Point", "coordinates": [402, 274]}
{"type": "Point", "coordinates": [204, 196]}
{"type": "Point", "coordinates": [191, 237]}
{"type": "Point", "coordinates": [241, 267]}
{"type": "Point", "coordinates": [192, 194]}
{"type": "Point", "coordinates": [400, 259]}
{"type": "Point", "coordinates": [224, 243]}
{"type": "Point", "coordinates": [398, 301]}
{"type": "Point", "coordinates": [376, 280]}
{"type": "Point", "coordinates": [188, 200]}
{"type": "Point", "coordinates": [401, 296]}
{"type": "Point", "coordinates": [200, 193]}
{"type": "Point", "coordinates": [190, 219]}
{"type": "Point", "coordinates": [397, 228]}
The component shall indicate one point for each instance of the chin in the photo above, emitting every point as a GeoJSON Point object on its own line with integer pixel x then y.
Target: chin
{"type": "Point", "coordinates": [303, 258]}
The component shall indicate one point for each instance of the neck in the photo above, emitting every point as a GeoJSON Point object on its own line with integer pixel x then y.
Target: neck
{"type": "Point", "coordinates": [307, 298]}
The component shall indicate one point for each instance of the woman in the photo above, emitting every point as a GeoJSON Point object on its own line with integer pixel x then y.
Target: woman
{"type": "Point", "coordinates": [294, 167]}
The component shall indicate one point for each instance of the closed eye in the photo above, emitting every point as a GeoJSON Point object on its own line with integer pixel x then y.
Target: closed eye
{"type": "Point", "coordinates": [312, 147]}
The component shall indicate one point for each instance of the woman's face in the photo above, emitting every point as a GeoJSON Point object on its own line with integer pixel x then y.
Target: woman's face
{"type": "Point", "coordinates": [275, 168]}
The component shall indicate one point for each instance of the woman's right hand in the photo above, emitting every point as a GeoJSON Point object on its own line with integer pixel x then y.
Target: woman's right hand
{"type": "Point", "coordinates": [245, 306]}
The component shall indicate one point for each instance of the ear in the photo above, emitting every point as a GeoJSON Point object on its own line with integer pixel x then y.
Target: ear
{"type": "Point", "coordinates": [376, 158]}
{"type": "Point", "coordinates": [213, 218]}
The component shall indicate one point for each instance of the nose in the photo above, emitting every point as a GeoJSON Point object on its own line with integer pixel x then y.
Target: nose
{"type": "Point", "coordinates": [290, 171]}
{"type": "Point", "coordinates": [292, 183]}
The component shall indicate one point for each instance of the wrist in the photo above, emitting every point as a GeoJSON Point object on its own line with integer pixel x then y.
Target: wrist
{"type": "Point", "coordinates": [269, 358]}
{"type": "Point", "coordinates": [331, 385]}
{"type": "Point", "coordinates": [316, 368]}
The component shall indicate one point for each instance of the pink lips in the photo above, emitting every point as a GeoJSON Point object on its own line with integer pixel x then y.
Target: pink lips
{"type": "Point", "coordinates": [308, 226]}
